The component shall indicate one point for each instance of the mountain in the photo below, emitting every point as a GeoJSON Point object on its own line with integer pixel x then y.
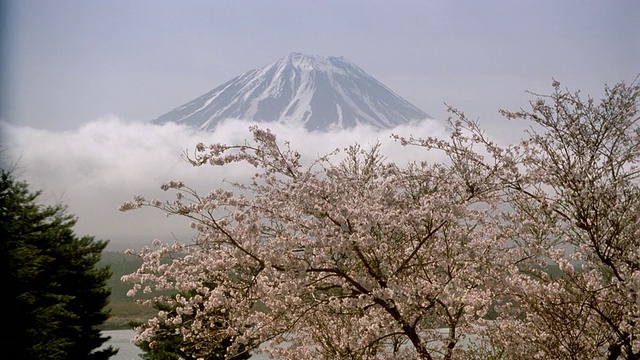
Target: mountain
{"type": "Point", "coordinates": [321, 93]}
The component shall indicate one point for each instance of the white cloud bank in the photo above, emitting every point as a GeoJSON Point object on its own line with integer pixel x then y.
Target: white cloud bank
{"type": "Point", "coordinates": [102, 164]}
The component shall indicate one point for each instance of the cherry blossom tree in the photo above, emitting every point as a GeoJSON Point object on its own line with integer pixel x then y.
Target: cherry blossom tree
{"type": "Point", "coordinates": [354, 256]}
{"type": "Point", "coordinates": [575, 201]}
{"type": "Point", "coordinates": [582, 187]}
{"type": "Point", "coordinates": [351, 258]}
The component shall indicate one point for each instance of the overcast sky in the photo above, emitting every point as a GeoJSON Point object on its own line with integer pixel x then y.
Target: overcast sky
{"type": "Point", "coordinates": [79, 79]}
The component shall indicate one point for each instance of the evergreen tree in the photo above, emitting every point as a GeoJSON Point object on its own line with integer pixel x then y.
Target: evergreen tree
{"type": "Point", "coordinates": [56, 296]}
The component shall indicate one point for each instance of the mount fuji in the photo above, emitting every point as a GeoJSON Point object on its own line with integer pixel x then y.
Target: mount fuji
{"type": "Point", "coordinates": [319, 93]}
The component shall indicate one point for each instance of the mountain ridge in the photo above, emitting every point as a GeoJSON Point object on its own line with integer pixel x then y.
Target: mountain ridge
{"type": "Point", "coordinates": [320, 93]}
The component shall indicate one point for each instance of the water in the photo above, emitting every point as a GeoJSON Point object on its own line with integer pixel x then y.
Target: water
{"type": "Point", "coordinates": [121, 339]}
{"type": "Point", "coordinates": [128, 351]}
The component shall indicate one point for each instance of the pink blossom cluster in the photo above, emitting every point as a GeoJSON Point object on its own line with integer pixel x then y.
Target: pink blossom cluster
{"type": "Point", "coordinates": [534, 248]}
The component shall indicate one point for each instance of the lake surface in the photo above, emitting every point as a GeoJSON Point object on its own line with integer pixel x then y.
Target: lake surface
{"type": "Point", "coordinates": [128, 351]}
{"type": "Point", "coordinates": [121, 339]}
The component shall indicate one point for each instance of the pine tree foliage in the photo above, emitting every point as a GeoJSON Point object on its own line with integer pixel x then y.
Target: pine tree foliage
{"type": "Point", "coordinates": [56, 296]}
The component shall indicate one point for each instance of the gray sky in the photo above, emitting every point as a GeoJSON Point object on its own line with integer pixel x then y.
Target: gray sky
{"type": "Point", "coordinates": [70, 62]}
{"type": "Point", "coordinates": [81, 77]}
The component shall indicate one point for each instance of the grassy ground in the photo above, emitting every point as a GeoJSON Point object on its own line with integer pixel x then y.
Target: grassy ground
{"type": "Point", "coordinates": [124, 310]}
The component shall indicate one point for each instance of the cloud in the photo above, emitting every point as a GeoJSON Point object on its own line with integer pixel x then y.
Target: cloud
{"type": "Point", "coordinates": [104, 163]}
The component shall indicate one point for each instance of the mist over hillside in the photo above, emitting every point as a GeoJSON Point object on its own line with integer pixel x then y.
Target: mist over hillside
{"type": "Point", "coordinates": [104, 163]}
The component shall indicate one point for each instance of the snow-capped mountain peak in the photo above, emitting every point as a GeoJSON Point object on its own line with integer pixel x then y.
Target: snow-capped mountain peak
{"type": "Point", "coordinates": [317, 92]}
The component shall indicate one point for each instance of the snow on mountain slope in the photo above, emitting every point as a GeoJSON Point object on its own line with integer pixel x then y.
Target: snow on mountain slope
{"type": "Point", "coordinates": [320, 93]}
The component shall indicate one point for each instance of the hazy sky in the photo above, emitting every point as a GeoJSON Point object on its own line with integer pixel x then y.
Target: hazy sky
{"type": "Point", "coordinates": [69, 62]}
{"type": "Point", "coordinates": [79, 79]}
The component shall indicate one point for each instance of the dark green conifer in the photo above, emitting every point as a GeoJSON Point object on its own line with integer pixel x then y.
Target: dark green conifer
{"type": "Point", "coordinates": [55, 295]}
